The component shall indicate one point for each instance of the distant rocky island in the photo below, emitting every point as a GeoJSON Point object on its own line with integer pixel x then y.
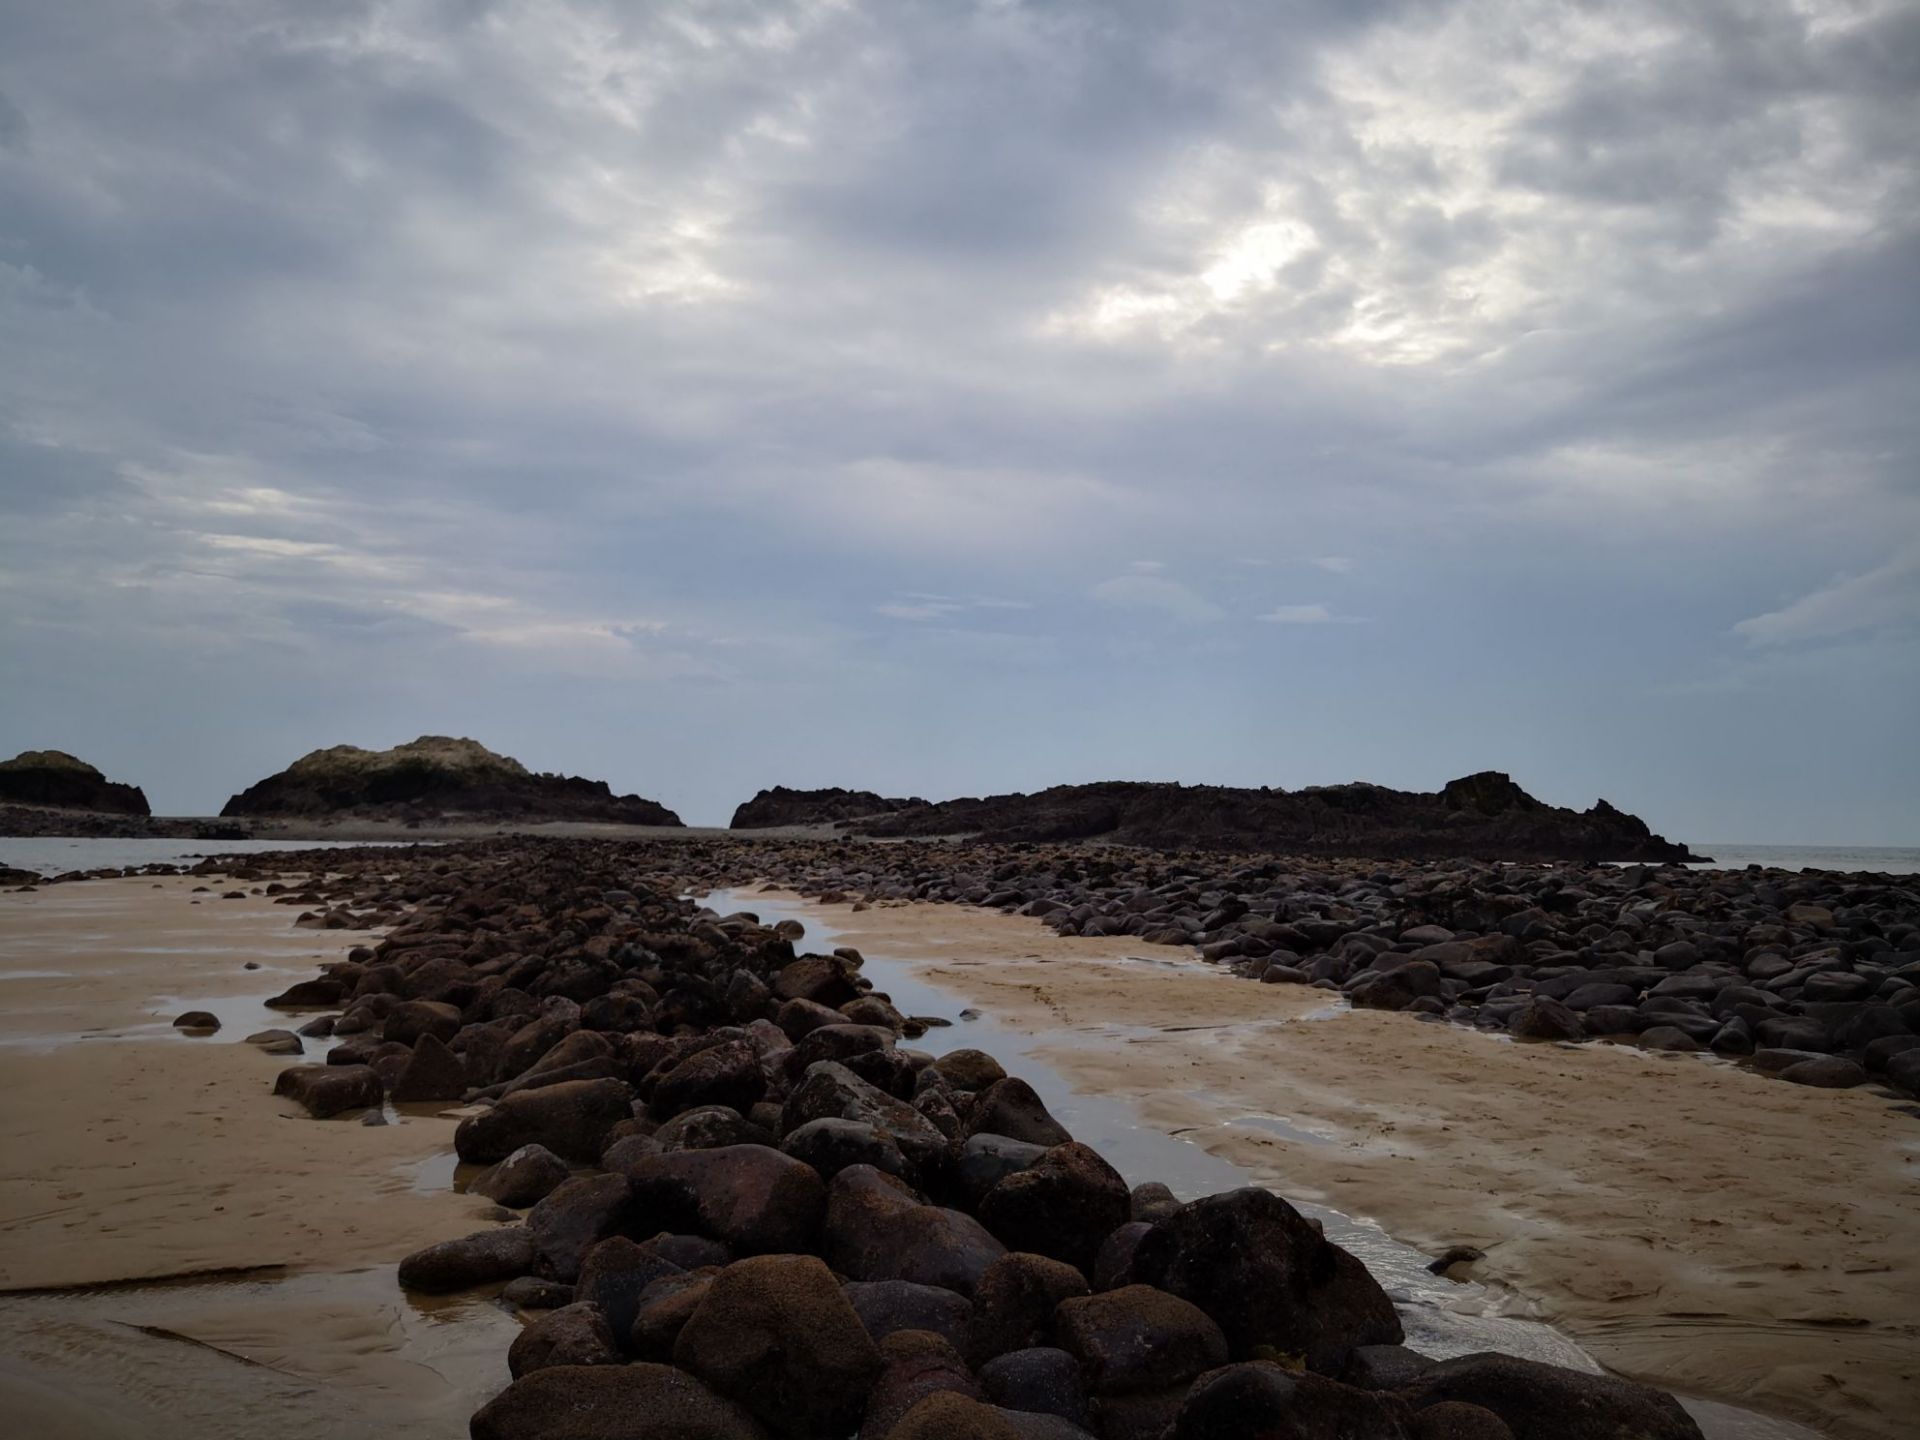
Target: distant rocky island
{"type": "Point", "coordinates": [1483, 816]}
{"type": "Point", "coordinates": [60, 780]}
{"type": "Point", "coordinates": [434, 778]}
{"type": "Point", "coordinates": [781, 806]}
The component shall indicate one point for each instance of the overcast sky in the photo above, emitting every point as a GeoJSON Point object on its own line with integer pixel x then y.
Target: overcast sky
{"type": "Point", "coordinates": [945, 398]}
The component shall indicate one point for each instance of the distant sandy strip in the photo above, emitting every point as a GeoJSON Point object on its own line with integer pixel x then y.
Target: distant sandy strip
{"type": "Point", "coordinates": [129, 1152]}
{"type": "Point", "coordinates": [1690, 1223]}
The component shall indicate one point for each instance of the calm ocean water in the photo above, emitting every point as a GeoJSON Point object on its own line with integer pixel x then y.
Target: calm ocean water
{"type": "Point", "coordinates": [56, 854]}
{"type": "Point", "coordinates": [1886, 859]}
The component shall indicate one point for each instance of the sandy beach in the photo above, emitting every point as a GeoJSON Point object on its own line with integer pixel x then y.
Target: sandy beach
{"type": "Point", "coordinates": [132, 1153]}
{"type": "Point", "coordinates": [1691, 1224]}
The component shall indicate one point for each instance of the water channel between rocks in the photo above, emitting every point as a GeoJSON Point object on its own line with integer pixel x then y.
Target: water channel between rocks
{"type": "Point", "coordinates": [1441, 1317]}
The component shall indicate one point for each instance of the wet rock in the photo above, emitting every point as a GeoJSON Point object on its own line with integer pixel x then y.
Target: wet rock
{"type": "Point", "coordinates": [576, 1334]}
{"type": "Point", "coordinates": [1274, 1283]}
{"type": "Point", "coordinates": [432, 1072]}
{"type": "Point", "coordinates": [408, 1021]}
{"type": "Point", "coordinates": [576, 1216]}
{"type": "Point", "coordinates": [840, 1041]}
{"type": "Point", "coordinates": [1011, 1107]}
{"type": "Point", "coordinates": [1041, 1378]}
{"type": "Point", "coordinates": [1667, 1037]}
{"type": "Point", "coordinates": [614, 1273]}
{"type": "Point", "coordinates": [985, 1160]}
{"type": "Point", "coordinates": [710, 1127]}
{"type": "Point", "coordinates": [1384, 1367]}
{"type": "Point", "coordinates": [1544, 1019]}
{"type": "Point", "coordinates": [776, 1333]}
{"type": "Point", "coordinates": [728, 1074]}
{"type": "Point", "coordinates": [830, 1146]}
{"type": "Point", "coordinates": [1260, 1398]}
{"type": "Point", "coordinates": [875, 1230]}
{"type": "Point", "coordinates": [530, 1292]}
{"type": "Point", "coordinates": [1451, 1420]}
{"type": "Point", "coordinates": [1153, 1201]}
{"type": "Point", "coordinates": [1064, 1205]}
{"type": "Point", "coordinates": [524, 1178]}
{"type": "Point", "coordinates": [1114, 1263]}
{"type": "Point", "coordinates": [1138, 1415]}
{"type": "Point", "coordinates": [1829, 1072]}
{"type": "Point", "coordinates": [665, 1307]}
{"type": "Point", "coordinates": [327, 1090]}
{"type": "Point", "coordinates": [751, 1198]}
{"type": "Point", "coordinates": [947, 1415]}
{"type": "Point", "coordinates": [482, 1258]}
{"type": "Point", "coordinates": [824, 979]}
{"type": "Point", "coordinates": [1546, 1402]}
{"type": "Point", "coordinates": [1015, 1302]}
{"type": "Point", "coordinates": [571, 1119]}
{"type": "Point", "coordinates": [612, 1402]}
{"type": "Point", "coordinates": [276, 1042]}
{"type": "Point", "coordinates": [915, 1365]}
{"type": "Point", "coordinates": [830, 1091]}
{"type": "Point", "coordinates": [970, 1069]}
{"type": "Point", "coordinates": [886, 1306]}
{"type": "Point", "coordinates": [1138, 1338]}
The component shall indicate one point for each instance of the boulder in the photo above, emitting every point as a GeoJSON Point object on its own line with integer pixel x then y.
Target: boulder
{"type": "Point", "coordinates": [969, 1069]}
{"type": "Point", "coordinates": [876, 1230]}
{"type": "Point", "coordinates": [276, 1042]}
{"type": "Point", "coordinates": [1451, 1420]}
{"type": "Point", "coordinates": [614, 1273]}
{"type": "Point", "coordinates": [524, 1178]}
{"type": "Point", "coordinates": [1041, 1379]}
{"type": "Point", "coordinates": [887, 1306]}
{"type": "Point", "coordinates": [709, 1127]}
{"type": "Point", "coordinates": [665, 1307]}
{"type": "Point", "coordinates": [948, 1415]}
{"type": "Point", "coordinates": [985, 1160]}
{"type": "Point", "coordinates": [1015, 1302]}
{"type": "Point", "coordinates": [1547, 1402]}
{"type": "Point", "coordinates": [1064, 1205]}
{"type": "Point", "coordinates": [576, 1334]}
{"type": "Point", "coordinates": [1011, 1107]}
{"type": "Point", "coordinates": [571, 1119]}
{"type": "Point", "coordinates": [576, 1216]}
{"type": "Point", "coordinates": [431, 1073]}
{"type": "Point", "coordinates": [411, 1019]}
{"type": "Point", "coordinates": [830, 1146]}
{"type": "Point", "coordinates": [611, 1402]}
{"type": "Point", "coordinates": [328, 1090]}
{"type": "Point", "coordinates": [1544, 1019]}
{"type": "Point", "coordinates": [1829, 1072]}
{"type": "Point", "coordinates": [1271, 1280]}
{"type": "Point", "coordinates": [1260, 1398]}
{"type": "Point", "coordinates": [830, 1091]}
{"type": "Point", "coordinates": [483, 1258]}
{"type": "Point", "coordinates": [1138, 1338]}
{"type": "Point", "coordinates": [726, 1074]}
{"type": "Point", "coordinates": [915, 1365]}
{"type": "Point", "coordinates": [776, 1333]}
{"type": "Point", "coordinates": [751, 1198]}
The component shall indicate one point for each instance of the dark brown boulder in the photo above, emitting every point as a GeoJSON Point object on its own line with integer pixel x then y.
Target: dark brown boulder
{"type": "Point", "coordinates": [1274, 1283]}
{"type": "Point", "coordinates": [411, 1019]}
{"type": "Point", "coordinates": [1547, 1402]}
{"type": "Point", "coordinates": [887, 1306]}
{"type": "Point", "coordinates": [1015, 1302]}
{"type": "Point", "coordinates": [1267, 1400]}
{"type": "Point", "coordinates": [876, 1231]}
{"type": "Point", "coordinates": [327, 1090]}
{"type": "Point", "coordinates": [1138, 1339]}
{"type": "Point", "coordinates": [483, 1258]}
{"type": "Point", "coordinates": [524, 1178]}
{"type": "Point", "coordinates": [950, 1415]}
{"type": "Point", "coordinates": [726, 1074]}
{"type": "Point", "coordinates": [1064, 1205]}
{"type": "Point", "coordinates": [1544, 1019]}
{"type": "Point", "coordinates": [1041, 1379]}
{"type": "Point", "coordinates": [776, 1333]}
{"type": "Point", "coordinates": [432, 1072]}
{"type": "Point", "coordinates": [576, 1334]}
{"type": "Point", "coordinates": [753, 1199]}
{"type": "Point", "coordinates": [665, 1307]}
{"type": "Point", "coordinates": [611, 1402]}
{"type": "Point", "coordinates": [824, 979]}
{"type": "Point", "coordinates": [1451, 1420]}
{"type": "Point", "coordinates": [575, 1217]}
{"type": "Point", "coordinates": [830, 1091]}
{"type": "Point", "coordinates": [571, 1119]}
{"type": "Point", "coordinates": [915, 1364]}
{"type": "Point", "coordinates": [1010, 1107]}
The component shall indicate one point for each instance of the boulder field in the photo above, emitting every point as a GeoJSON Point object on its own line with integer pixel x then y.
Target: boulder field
{"type": "Point", "coordinates": [749, 1210]}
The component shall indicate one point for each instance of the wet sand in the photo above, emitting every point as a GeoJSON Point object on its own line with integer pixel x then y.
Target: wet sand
{"type": "Point", "coordinates": [129, 1152]}
{"type": "Point", "coordinates": [1688, 1222]}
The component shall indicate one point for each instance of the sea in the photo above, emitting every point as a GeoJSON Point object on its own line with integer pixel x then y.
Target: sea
{"type": "Point", "coordinates": [56, 855]}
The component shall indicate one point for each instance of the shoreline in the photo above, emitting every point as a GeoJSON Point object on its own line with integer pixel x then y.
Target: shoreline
{"type": "Point", "coordinates": [1629, 1232]}
{"type": "Point", "coordinates": [179, 1254]}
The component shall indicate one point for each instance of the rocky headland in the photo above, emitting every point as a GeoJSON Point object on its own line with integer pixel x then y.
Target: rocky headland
{"type": "Point", "coordinates": [55, 779]}
{"type": "Point", "coordinates": [741, 1207]}
{"type": "Point", "coordinates": [435, 778]}
{"type": "Point", "coordinates": [1484, 816]}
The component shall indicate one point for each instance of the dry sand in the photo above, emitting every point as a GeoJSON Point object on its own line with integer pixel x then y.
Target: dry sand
{"type": "Point", "coordinates": [1689, 1222]}
{"type": "Point", "coordinates": [129, 1152]}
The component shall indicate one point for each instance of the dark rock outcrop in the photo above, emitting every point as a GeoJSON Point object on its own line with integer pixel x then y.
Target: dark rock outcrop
{"type": "Point", "coordinates": [781, 806]}
{"type": "Point", "coordinates": [436, 777]}
{"type": "Point", "coordinates": [57, 779]}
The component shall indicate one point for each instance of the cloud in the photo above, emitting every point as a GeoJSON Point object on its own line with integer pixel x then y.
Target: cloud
{"type": "Point", "coordinates": [1334, 564]}
{"type": "Point", "coordinates": [1885, 597]}
{"type": "Point", "coordinates": [1313, 614]}
{"type": "Point", "coordinates": [1155, 593]}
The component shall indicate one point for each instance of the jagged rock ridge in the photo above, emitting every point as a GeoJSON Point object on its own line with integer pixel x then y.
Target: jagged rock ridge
{"type": "Point", "coordinates": [781, 806]}
{"type": "Point", "coordinates": [437, 777]}
{"type": "Point", "coordinates": [53, 777]}
{"type": "Point", "coordinates": [1484, 816]}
